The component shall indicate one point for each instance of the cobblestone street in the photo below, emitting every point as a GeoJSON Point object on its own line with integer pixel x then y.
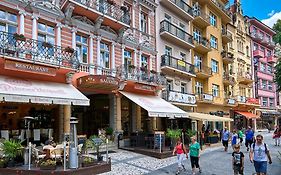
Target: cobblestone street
{"type": "Point", "coordinates": [214, 161]}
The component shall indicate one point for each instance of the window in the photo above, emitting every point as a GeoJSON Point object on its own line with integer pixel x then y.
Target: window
{"type": "Point", "coordinates": [105, 55]}
{"type": "Point", "coordinates": [197, 35]}
{"type": "Point", "coordinates": [198, 88]}
{"type": "Point", "coordinates": [214, 42]}
{"type": "Point", "coordinates": [269, 69]}
{"type": "Point", "coordinates": [144, 61]}
{"type": "Point", "coordinates": [183, 56]}
{"type": "Point", "coordinates": [169, 85]}
{"type": "Point", "coordinates": [168, 50]}
{"type": "Point", "coordinates": [262, 49]}
{"type": "Point", "coordinates": [262, 67]}
{"type": "Point", "coordinates": [181, 33]}
{"type": "Point", "coordinates": [8, 22]}
{"type": "Point", "coordinates": [263, 84]}
{"type": "Point", "coordinates": [271, 102]}
{"type": "Point", "coordinates": [128, 60]}
{"type": "Point", "coordinates": [198, 61]}
{"type": "Point", "coordinates": [82, 48]}
{"type": "Point", "coordinates": [168, 17]}
{"type": "Point", "coordinates": [46, 33]}
{"type": "Point", "coordinates": [143, 24]}
{"type": "Point", "coordinates": [256, 47]}
{"type": "Point", "coordinates": [214, 65]}
{"type": "Point", "coordinates": [268, 53]}
{"type": "Point", "coordinates": [213, 19]}
{"type": "Point", "coordinates": [269, 85]}
{"type": "Point", "coordinates": [183, 88]}
{"type": "Point", "coordinates": [215, 89]}
{"type": "Point", "coordinates": [247, 50]}
{"type": "Point", "coordinates": [264, 101]}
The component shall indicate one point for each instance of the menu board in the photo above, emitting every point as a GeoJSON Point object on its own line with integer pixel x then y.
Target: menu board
{"type": "Point", "coordinates": [159, 137]}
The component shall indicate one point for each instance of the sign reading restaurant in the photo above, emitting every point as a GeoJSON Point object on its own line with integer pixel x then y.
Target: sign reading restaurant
{"type": "Point", "coordinates": [27, 67]}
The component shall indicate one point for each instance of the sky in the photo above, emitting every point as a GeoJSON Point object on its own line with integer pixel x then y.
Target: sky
{"type": "Point", "coordinates": [268, 11]}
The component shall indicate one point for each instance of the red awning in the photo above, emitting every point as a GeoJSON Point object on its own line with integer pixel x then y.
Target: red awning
{"type": "Point", "coordinates": [248, 115]}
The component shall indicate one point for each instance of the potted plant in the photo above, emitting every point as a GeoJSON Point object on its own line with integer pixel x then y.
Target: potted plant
{"type": "Point", "coordinates": [12, 149]}
{"type": "Point", "coordinates": [109, 132]}
{"type": "Point", "coordinates": [47, 164]}
{"type": "Point", "coordinates": [19, 37]}
{"type": "Point", "coordinates": [3, 163]}
{"type": "Point", "coordinates": [190, 133]}
{"type": "Point", "coordinates": [97, 142]}
{"type": "Point", "coordinates": [46, 44]}
{"type": "Point", "coordinates": [69, 50]}
{"type": "Point", "coordinates": [143, 69]}
{"type": "Point", "coordinates": [88, 161]}
{"type": "Point", "coordinates": [173, 134]}
{"type": "Point", "coordinates": [111, 2]}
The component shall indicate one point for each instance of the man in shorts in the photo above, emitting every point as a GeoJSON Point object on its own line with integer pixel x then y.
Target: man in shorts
{"type": "Point", "coordinates": [225, 138]}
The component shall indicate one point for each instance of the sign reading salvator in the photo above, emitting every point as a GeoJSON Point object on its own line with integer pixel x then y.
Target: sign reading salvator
{"type": "Point", "coordinates": [27, 67]}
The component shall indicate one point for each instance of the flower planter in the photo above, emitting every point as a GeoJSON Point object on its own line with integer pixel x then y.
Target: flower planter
{"type": "Point", "coordinates": [48, 45]}
{"type": "Point", "coordinates": [50, 167]}
{"type": "Point", "coordinates": [19, 37]}
{"type": "Point", "coordinates": [84, 164]}
{"type": "Point", "coordinates": [8, 51]}
{"type": "Point", "coordinates": [69, 50]}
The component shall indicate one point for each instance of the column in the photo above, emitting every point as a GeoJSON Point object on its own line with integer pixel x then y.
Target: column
{"type": "Point", "coordinates": [21, 27]}
{"type": "Point", "coordinates": [58, 34]}
{"type": "Point", "coordinates": [99, 70]}
{"type": "Point", "coordinates": [229, 125]}
{"type": "Point", "coordinates": [134, 117]}
{"type": "Point", "coordinates": [34, 26]}
{"type": "Point", "coordinates": [122, 54]}
{"type": "Point", "coordinates": [91, 53]}
{"type": "Point", "coordinates": [140, 17]}
{"type": "Point", "coordinates": [73, 41]}
{"type": "Point", "coordinates": [135, 57]}
{"type": "Point", "coordinates": [150, 62]}
{"type": "Point", "coordinates": [133, 14]}
{"type": "Point", "coordinates": [140, 58]}
{"type": "Point", "coordinates": [118, 114]}
{"type": "Point", "coordinates": [154, 124]}
{"type": "Point", "coordinates": [138, 117]}
{"type": "Point", "coordinates": [66, 119]}
{"type": "Point", "coordinates": [112, 122]}
{"type": "Point", "coordinates": [113, 43]}
{"type": "Point", "coordinates": [61, 123]}
{"type": "Point", "coordinates": [151, 14]}
{"type": "Point", "coordinates": [255, 124]}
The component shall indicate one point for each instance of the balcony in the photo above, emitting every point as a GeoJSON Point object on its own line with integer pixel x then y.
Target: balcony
{"type": "Point", "coordinates": [271, 44]}
{"type": "Point", "coordinates": [271, 59]}
{"type": "Point", "coordinates": [244, 78]}
{"type": "Point", "coordinates": [226, 36]}
{"type": "Point", "coordinates": [203, 72]}
{"type": "Point", "coordinates": [228, 80]}
{"type": "Point", "coordinates": [204, 98]}
{"type": "Point", "coordinates": [227, 57]}
{"type": "Point", "coordinates": [114, 15]}
{"type": "Point", "coordinates": [140, 75]}
{"type": "Point", "coordinates": [172, 65]}
{"type": "Point", "coordinates": [14, 46]}
{"type": "Point", "coordinates": [179, 98]}
{"type": "Point", "coordinates": [201, 19]}
{"type": "Point", "coordinates": [202, 45]}
{"type": "Point", "coordinates": [258, 54]}
{"type": "Point", "coordinates": [176, 35]}
{"type": "Point", "coordinates": [256, 36]}
{"type": "Point", "coordinates": [179, 7]}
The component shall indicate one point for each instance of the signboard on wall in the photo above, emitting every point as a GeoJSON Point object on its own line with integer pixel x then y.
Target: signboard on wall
{"type": "Point", "coordinates": [253, 101]}
{"type": "Point", "coordinates": [99, 82]}
{"type": "Point", "coordinates": [181, 97]}
{"type": "Point", "coordinates": [28, 67]}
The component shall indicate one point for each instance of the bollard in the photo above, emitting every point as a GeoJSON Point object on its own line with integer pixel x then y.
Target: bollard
{"type": "Point", "coordinates": [29, 155]}
{"type": "Point", "coordinates": [106, 150]}
{"type": "Point", "coordinates": [64, 156]}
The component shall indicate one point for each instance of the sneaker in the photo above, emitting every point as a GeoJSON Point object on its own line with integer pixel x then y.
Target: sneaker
{"type": "Point", "coordinates": [200, 170]}
{"type": "Point", "coordinates": [247, 149]}
{"type": "Point", "coordinates": [183, 168]}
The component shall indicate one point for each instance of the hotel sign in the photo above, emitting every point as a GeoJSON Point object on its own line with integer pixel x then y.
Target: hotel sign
{"type": "Point", "coordinates": [181, 98]}
{"type": "Point", "coordinates": [28, 67]}
{"type": "Point", "coordinates": [101, 82]}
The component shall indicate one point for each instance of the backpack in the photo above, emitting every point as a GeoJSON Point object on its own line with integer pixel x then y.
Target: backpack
{"type": "Point", "coordinates": [266, 150]}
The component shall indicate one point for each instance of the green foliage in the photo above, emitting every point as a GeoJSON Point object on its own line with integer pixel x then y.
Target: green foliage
{"type": "Point", "coordinates": [12, 149]}
{"type": "Point", "coordinates": [277, 29]}
{"type": "Point", "coordinates": [190, 133]}
{"type": "Point", "coordinates": [88, 159]}
{"type": "Point", "coordinates": [173, 133]}
{"type": "Point", "coordinates": [48, 162]}
{"type": "Point", "coordinates": [278, 75]}
{"type": "Point", "coordinates": [109, 131]}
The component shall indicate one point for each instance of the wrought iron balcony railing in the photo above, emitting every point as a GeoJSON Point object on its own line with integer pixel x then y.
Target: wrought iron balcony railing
{"type": "Point", "coordinates": [202, 14]}
{"type": "Point", "coordinates": [18, 46]}
{"type": "Point", "coordinates": [130, 72]}
{"type": "Point", "coordinates": [166, 26]}
{"type": "Point", "coordinates": [168, 60]}
{"type": "Point", "coordinates": [109, 8]}
{"type": "Point", "coordinates": [179, 97]}
{"type": "Point", "coordinates": [184, 6]}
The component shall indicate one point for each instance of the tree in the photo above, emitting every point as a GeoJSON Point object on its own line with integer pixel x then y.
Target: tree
{"type": "Point", "coordinates": [278, 66]}
{"type": "Point", "coordinates": [277, 29]}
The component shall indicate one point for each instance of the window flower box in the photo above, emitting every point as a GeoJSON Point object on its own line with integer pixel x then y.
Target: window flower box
{"type": "Point", "coordinates": [46, 44]}
{"type": "Point", "coordinates": [19, 37]}
{"type": "Point", "coordinates": [69, 50]}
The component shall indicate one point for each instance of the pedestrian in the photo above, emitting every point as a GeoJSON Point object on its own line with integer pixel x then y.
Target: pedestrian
{"type": "Point", "coordinates": [276, 135]}
{"type": "Point", "coordinates": [237, 160]}
{"type": "Point", "coordinates": [259, 154]}
{"type": "Point", "coordinates": [181, 151]}
{"type": "Point", "coordinates": [268, 127]}
{"type": "Point", "coordinates": [194, 153]}
{"type": "Point", "coordinates": [240, 136]}
{"type": "Point", "coordinates": [234, 139]}
{"type": "Point", "coordinates": [225, 138]}
{"type": "Point", "coordinates": [249, 137]}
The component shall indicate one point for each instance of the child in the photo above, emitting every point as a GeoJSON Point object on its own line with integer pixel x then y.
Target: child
{"type": "Point", "coordinates": [237, 160]}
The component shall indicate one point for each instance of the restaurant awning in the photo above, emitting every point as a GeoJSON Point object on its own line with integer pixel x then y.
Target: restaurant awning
{"type": "Point", "coordinates": [207, 117]}
{"type": "Point", "coordinates": [25, 91]}
{"type": "Point", "coordinates": [155, 106]}
{"type": "Point", "coordinates": [265, 112]}
{"type": "Point", "coordinates": [248, 115]}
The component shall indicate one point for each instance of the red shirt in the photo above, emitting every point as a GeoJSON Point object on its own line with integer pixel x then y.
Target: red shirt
{"type": "Point", "coordinates": [179, 149]}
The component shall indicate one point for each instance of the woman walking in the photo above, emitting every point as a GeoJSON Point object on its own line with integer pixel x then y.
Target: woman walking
{"type": "Point", "coordinates": [277, 135]}
{"type": "Point", "coordinates": [194, 154]}
{"type": "Point", "coordinates": [181, 151]}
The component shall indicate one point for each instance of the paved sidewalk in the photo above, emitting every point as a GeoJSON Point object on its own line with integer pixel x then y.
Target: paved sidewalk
{"type": "Point", "coordinates": [214, 161]}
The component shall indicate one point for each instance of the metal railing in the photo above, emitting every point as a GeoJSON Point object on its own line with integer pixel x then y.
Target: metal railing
{"type": "Point", "coordinates": [203, 69]}
{"type": "Point", "coordinates": [184, 6]}
{"type": "Point", "coordinates": [228, 55]}
{"type": "Point", "coordinates": [225, 32]}
{"type": "Point", "coordinates": [168, 60]}
{"type": "Point", "coordinates": [202, 14]}
{"type": "Point", "coordinates": [229, 78]}
{"type": "Point", "coordinates": [222, 7]}
{"type": "Point", "coordinates": [176, 96]}
{"type": "Point", "coordinates": [109, 8]}
{"type": "Point", "coordinates": [18, 46]}
{"type": "Point", "coordinates": [129, 72]}
{"type": "Point", "coordinates": [166, 26]}
{"type": "Point", "coordinates": [205, 97]}
{"type": "Point", "coordinates": [203, 41]}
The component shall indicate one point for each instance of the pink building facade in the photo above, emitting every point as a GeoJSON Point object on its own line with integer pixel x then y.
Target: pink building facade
{"type": "Point", "coordinates": [263, 65]}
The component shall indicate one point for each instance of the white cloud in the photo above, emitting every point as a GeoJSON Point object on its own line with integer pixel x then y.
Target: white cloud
{"type": "Point", "coordinates": [271, 13]}
{"type": "Point", "coordinates": [272, 20]}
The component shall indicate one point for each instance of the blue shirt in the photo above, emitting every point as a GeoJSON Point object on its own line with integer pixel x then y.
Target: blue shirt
{"type": "Point", "coordinates": [249, 134]}
{"type": "Point", "coordinates": [225, 135]}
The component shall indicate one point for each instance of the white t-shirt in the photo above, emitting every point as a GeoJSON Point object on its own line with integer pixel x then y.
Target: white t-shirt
{"type": "Point", "coordinates": [259, 152]}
